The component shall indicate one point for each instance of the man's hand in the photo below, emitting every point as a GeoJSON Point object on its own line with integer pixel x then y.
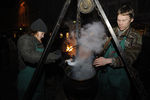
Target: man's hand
{"type": "Point", "coordinates": [101, 61]}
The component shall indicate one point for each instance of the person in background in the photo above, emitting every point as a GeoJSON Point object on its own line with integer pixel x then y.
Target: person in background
{"type": "Point", "coordinates": [114, 83]}
{"type": "Point", "coordinates": [30, 49]}
{"type": "Point", "coordinates": [8, 67]}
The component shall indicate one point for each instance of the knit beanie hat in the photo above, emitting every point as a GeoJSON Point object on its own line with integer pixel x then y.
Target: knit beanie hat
{"type": "Point", "coordinates": [39, 25]}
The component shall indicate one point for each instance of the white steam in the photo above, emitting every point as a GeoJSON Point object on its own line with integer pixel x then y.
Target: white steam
{"type": "Point", "coordinates": [90, 42]}
{"type": "Point", "coordinates": [92, 36]}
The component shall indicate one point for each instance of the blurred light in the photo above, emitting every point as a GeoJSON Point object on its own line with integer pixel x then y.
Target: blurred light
{"type": "Point", "coordinates": [20, 29]}
{"type": "Point", "coordinates": [67, 35]}
{"type": "Point", "coordinates": [22, 4]}
{"type": "Point", "coordinates": [23, 14]}
{"type": "Point", "coordinates": [15, 35]}
{"type": "Point", "coordinates": [74, 22]}
{"type": "Point", "coordinates": [61, 35]}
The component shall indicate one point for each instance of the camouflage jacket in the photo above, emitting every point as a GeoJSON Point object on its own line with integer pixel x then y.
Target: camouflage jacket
{"type": "Point", "coordinates": [133, 44]}
{"type": "Point", "coordinates": [132, 49]}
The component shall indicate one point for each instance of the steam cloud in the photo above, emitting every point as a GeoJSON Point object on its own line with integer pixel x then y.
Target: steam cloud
{"type": "Point", "coordinates": [92, 36]}
{"type": "Point", "coordinates": [91, 41]}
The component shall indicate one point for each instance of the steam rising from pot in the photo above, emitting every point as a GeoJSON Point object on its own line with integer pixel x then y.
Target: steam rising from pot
{"type": "Point", "coordinates": [90, 42]}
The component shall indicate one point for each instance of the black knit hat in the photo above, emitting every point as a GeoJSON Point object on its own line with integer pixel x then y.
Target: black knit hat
{"type": "Point", "coordinates": [39, 25]}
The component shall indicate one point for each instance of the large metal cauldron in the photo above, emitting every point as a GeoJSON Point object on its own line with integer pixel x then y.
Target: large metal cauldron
{"type": "Point", "coordinates": [80, 82]}
{"type": "Point", "coordinates": [80, 90]}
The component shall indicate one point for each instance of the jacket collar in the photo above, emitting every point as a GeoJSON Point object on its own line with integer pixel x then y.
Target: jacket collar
{"type": "Point", "coordinates": [125, 33]}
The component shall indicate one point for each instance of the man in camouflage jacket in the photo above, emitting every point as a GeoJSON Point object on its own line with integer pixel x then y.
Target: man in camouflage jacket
{"type": "Point", "coordinates": [114, 82]}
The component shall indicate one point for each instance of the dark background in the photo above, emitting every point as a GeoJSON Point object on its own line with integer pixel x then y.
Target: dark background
{"type": "Point", "coordinates": [49, 11]}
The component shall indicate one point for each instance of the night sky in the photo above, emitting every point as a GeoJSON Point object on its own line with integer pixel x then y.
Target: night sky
{"type": "Point", "coordinates": [49, 11]}
{"type": "Point", "coordinates": [8, 16]}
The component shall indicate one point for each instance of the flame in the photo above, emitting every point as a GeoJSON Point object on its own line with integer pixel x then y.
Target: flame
{"type": "Point", "coordinates": [69, 48]}
{"type": "Point", "coordinates": [70, 45]}
{"type": "Point", "coordinates": [71, 51]}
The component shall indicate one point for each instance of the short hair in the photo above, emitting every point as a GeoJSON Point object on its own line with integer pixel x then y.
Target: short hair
{"type": "Point", "coordinates": [126, 10]}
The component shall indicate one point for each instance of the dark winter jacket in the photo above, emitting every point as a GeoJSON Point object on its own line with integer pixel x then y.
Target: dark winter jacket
{"type": "Point", "coordinates": [28, 54]}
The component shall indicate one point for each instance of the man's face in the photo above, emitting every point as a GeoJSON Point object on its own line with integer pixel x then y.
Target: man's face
{"type": "Point", "coordinates": [124, 21]}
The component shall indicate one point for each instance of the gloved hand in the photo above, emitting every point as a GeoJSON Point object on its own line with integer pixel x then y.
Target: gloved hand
{"type": "Point", "coordinates": [53, 56]}
{"type": "Point", "coordinates": [57, 52]}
